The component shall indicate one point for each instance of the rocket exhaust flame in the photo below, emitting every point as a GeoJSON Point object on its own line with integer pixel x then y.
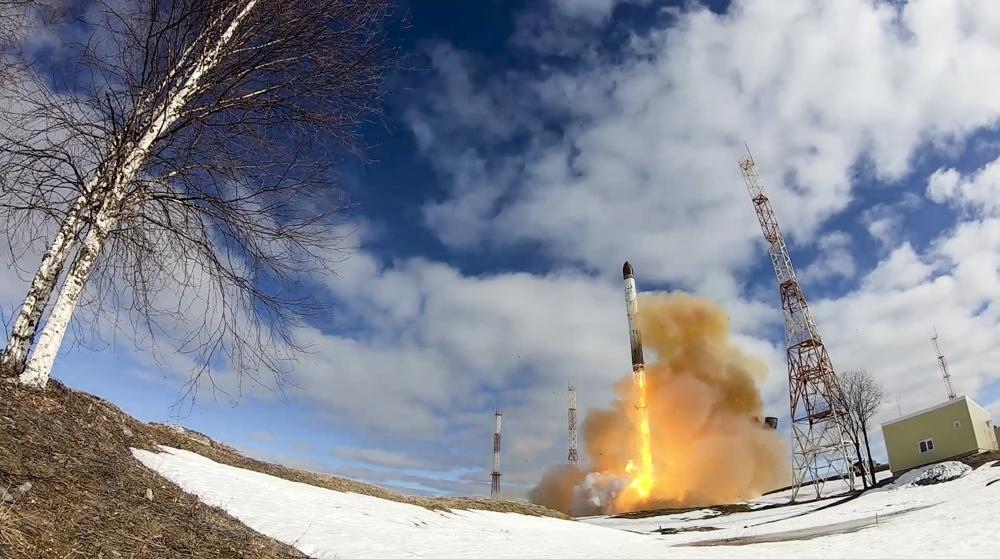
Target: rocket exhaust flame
{"type": "Point", "coordinates": [686, 432]}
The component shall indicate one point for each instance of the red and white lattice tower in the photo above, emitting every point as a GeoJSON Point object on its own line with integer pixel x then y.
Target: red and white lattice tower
{"type": "Point", "coordinates": [573, 457]}
{"type": "Point", "coordinates": [495, 483]}
{"type": "Point", "coordinates": [820, 449]}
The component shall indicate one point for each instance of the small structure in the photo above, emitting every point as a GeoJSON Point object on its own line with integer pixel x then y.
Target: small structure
{"type": "Point", "coordinates": [953, 429]}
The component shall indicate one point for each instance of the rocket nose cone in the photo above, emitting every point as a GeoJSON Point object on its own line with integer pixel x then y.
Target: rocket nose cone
{"type": "Point", "coordinates": [626, 270]}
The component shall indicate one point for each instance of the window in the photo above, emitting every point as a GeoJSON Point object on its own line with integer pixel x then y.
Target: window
{"type": "Point", "coordinates": [926, 446]}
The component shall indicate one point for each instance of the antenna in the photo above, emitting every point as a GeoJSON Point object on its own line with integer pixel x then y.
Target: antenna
{"type": "Point", "coordinates": [943, 365]}
{"type": "Point", "coordinates": [573, 458]}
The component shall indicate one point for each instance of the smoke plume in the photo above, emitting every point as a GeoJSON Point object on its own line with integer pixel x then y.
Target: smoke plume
{"type": "Point", "coordinates": [709, 443]}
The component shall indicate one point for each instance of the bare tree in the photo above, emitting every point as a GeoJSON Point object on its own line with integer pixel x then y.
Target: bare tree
{"type": "Point", "coordinates": [862, 398]}
{"type": "Point", "coordinates": [853, 431]}
{"type": "Point", "coordinates": [202, 137]}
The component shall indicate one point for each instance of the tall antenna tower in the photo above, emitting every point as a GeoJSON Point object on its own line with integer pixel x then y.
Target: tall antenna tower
{"type": "Point", "coordinates": [495, 482]}
{"type": "Point", "coordinates": [573, 458]}
{"type": "Point", "coordinates": [943, 365]}
{"type": "Point", "coordinates": [820, 450]}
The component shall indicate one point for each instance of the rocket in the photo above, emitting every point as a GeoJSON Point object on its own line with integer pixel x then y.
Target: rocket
{"type": "Point", "coordinates": [634, 336]}
{"type": "Point", "coordinates": [643, 478]}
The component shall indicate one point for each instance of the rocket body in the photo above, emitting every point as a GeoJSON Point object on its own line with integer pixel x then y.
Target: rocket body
{"type": "Point", "coordinates": [632, 308]}
{"type": "Point", "coordinates": [643, 478]}
{"type": "Point", "coordinates": [634, 336]}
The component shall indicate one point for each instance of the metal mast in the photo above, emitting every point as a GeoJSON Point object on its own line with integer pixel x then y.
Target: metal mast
{"type": "Point", "coordinates": [943, 365]}
{"type": "Point", "coordinates": [495, 482]}
{"type": "Point", "coordinates": [573, 458]}
{"type": "Point", "coordinates": [820, 449]}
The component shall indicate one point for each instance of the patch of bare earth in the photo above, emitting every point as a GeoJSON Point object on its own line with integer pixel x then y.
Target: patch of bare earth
{"type": "Point", "coordinates": [977, 460]}
{"type": "Point", "coordinates": [69, 486]}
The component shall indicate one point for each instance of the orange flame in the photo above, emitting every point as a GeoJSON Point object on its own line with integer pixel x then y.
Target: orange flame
{"type": "Point", "coordinates": [643, 478]}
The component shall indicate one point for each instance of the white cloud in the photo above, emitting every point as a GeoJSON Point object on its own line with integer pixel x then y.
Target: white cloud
{"type": "Point", "coordinates": [434, 340]}
{"type": "Point", "coordinates": [644, 163]}
{"type": "Point", "coordinates": [884, 222]}
{"type": "Point", "coordinates": [591, 10]}
{"type": "Point", "coordinates": [902, 269]}
{"type": "Point", "coordinates": [979, 191]}
{"type": "Point", "coordinates": [835, 259]}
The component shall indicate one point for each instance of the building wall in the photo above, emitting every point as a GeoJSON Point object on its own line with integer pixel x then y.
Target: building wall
{"type": "Point", "coordinates": [983, 424]}
{"type": "Point", "coordinates": [951, 439]}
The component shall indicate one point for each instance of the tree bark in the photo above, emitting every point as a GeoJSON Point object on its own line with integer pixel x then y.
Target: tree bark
{"type": "Point", "coordinates": [861, 462]}
{"type": "Point", "coordinates": [37, 371]}
{"type": "Point", "coordinates": [25, 326]}
{"type": "Point", "coordinates": [868, 448]}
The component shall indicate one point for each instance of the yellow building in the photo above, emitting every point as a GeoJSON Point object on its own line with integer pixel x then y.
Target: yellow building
{"type": "Point", "coordinates": [956, 428]}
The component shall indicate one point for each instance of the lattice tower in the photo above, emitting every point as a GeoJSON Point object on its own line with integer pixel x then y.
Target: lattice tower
{"type": "Point", "coordinates": [820, 449]}
{"type": "Point", "coordinates": [943, 365]}
{"type": "Point", "coordinates": [573, 457]}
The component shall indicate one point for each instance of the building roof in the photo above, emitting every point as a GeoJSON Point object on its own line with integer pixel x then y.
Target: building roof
{"type": "Point", "coordinates": [944, 404]}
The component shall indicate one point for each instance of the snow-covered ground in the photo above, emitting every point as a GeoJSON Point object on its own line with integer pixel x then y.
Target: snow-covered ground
{"type": "Point", "coordinates": [757, 522]}
{"type": "Point", "coordinates": [808, 493]}
{"type": "Point", "coordinates": [953, 519]}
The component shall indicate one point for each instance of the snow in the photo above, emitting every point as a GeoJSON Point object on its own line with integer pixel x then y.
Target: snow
{"type": "Point", "coordinates": [949, 519]}
{"type": "Point", "coordinates": [830, 489]}
{"type": "Point", "coordinates": [935, 473]}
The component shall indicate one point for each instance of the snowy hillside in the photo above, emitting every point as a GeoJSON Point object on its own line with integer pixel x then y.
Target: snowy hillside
{"type": "Point", "coordinates": [952, 519]}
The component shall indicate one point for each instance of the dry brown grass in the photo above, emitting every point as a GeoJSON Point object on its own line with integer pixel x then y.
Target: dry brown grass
{"type": "Point", "coordinates": [88, 494]}
{"type": "Point", "coordinates": [11, 537]}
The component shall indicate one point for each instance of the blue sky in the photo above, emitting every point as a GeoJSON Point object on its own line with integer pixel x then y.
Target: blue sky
{"type": "Point", "coordinates": [531, 147]}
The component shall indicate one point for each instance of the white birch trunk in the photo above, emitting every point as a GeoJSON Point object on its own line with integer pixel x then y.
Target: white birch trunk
{"type": "Point", "coordinates": [42, 285]}
{"type": "Point", "coordinates": [36, 372]}
{"type": "Point", "coordinates": [39, 368]}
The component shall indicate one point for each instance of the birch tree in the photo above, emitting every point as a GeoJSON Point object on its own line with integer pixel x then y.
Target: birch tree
{"type": "Point", "coordinates": [37, 162]}
{"type": "Point", "coordinates": [215, 121]}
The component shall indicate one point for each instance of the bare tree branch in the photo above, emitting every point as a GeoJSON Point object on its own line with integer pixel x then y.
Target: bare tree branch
{"type": "Point", "coordinates": [862, 398]}
{"type": "Point", "coordinates": [190, 159]}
